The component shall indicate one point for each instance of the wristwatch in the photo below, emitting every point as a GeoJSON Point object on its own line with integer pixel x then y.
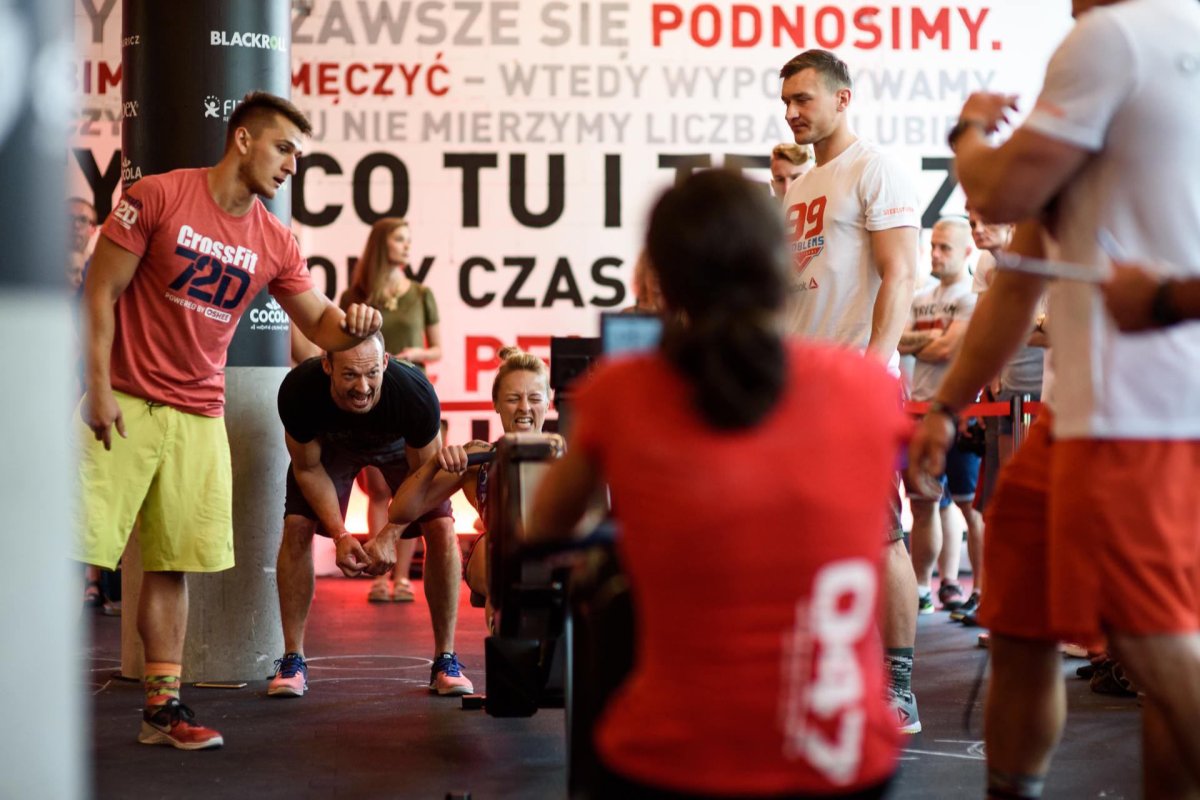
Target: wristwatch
{"type": "Point", "coordinates": [961, 127]}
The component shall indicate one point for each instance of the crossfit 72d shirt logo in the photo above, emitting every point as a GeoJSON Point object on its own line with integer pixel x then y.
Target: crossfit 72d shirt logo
{"type": "Point", "coordinates": [216, 274]}
{"type": "Point", "coordinates": [806, 223]}
{"type": "Point", "coordinates": [210, 281]}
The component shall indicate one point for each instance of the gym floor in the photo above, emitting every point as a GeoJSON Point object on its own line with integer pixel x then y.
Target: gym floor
{"type": "Point", "coordinates": [369, 728]}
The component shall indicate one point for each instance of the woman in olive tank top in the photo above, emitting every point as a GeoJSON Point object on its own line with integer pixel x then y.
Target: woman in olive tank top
{"type": "Point", "coordinates": [410, 332]}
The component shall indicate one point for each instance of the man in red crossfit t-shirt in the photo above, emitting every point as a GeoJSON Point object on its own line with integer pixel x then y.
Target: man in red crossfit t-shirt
{"type": "Point", "coordinates": [176, 265]}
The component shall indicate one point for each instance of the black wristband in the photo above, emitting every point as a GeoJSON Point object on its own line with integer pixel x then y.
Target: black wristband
{"type": "Point", "coordinates": [961, 127]}
{"type": "Point", "coordinates": [1161, 310]}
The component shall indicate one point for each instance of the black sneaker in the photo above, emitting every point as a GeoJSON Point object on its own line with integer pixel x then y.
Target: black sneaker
{"type": "Point", "coordinates": [950, 595]}
{"type": "Point", "coordinates": [967, 608]}
{"type": "Point", "coordinates": [1109, 678]}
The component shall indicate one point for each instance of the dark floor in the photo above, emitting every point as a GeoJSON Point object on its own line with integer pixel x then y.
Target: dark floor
{"type": "Point", "coordinates": [369, 728]}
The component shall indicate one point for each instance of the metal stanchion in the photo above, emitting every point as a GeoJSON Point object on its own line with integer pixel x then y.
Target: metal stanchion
{"type": "Point", "coordinates": [1020, 419]}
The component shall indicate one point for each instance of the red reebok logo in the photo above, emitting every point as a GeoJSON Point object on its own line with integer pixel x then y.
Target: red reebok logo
{"type": "Point", "coordinates": [802, 258]}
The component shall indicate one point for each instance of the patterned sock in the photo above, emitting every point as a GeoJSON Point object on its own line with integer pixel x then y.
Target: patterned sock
{"type": "Point", "coordinates": [899, 662]}
{"type": "Point", "coordinates": [161, 682]}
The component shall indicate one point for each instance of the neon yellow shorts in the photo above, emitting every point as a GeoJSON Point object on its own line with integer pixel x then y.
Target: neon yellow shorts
{"type": "Point", "coordinates": [173, 472]}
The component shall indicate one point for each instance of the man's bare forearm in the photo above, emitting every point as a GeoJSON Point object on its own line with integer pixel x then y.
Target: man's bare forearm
{"type": "Point", "coordinates": [322, 497]}
{"type": "Point", "coordinates": [422, 491]}
{"type": "Point", "coordinates": [101, 327]}
{"type": "Point", "coordinates": [940, 350]}
{"type": "Point", "coordinates": [912, 341]}
{"type": "Point", "coordinates": [328, 333]}
{"type": "Point", "coordinates": [979, 170]}
{"type": "Point", "coordinates": [889, 316]}
{"type": "Point", "coordinates": [112, 270]}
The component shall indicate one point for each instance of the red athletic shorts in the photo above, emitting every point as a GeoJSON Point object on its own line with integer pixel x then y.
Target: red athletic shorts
{"type": "Point", "coordinates": [1086, 536]}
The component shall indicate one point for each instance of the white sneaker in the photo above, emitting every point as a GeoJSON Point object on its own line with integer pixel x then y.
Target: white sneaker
{"type": "Point", "coordinates": [904, 706]}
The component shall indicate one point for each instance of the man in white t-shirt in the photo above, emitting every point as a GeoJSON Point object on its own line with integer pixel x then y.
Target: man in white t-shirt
{"type": "Point", "coordinates": [935, 329]}
{"type": "Point", "coordinates": [1094, 535]}
{"type": "Point", "coordinates": [853, 229]}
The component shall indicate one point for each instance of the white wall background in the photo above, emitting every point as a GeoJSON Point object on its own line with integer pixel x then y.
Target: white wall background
{"type": "Point", "coordinates": [423, 84]}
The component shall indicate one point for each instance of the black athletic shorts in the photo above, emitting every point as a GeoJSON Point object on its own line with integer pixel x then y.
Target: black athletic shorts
{"type": "Point", "coordinates": [342, 466]}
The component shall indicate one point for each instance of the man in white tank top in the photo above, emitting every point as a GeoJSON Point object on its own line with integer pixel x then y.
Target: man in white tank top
{"type": "Point", "coordinates": [1105, 514]}
{"type": "Point", "coordinates": [853, 231]}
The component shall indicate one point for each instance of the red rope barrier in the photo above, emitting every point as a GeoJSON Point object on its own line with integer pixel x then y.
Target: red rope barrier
{"type": "Point", "coordinates": [1032, 407]}
{"type": "Point", "coordinates": [911, 407]}
{"type": "Point", "coordinates": [467, 405]}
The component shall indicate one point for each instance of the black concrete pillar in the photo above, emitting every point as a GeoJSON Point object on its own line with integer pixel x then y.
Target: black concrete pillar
{"type": "Point", "coordinates": [186, 64]}
{"type": "Point", "coordinates": [44, 713]}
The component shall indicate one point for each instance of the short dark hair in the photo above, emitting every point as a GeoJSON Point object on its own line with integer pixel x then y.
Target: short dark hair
{"type": "Point", "coordinates": [828, 66]}
{"type": "Point", "coordinates": [258, 109]}
{"type": "Point", "coordinates": [376, 337]}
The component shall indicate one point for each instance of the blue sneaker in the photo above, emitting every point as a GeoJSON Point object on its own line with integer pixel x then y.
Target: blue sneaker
{"type": "Point", "coordinates": [290, 678]}
{"type": "Point", "coordinates": [446, 678]}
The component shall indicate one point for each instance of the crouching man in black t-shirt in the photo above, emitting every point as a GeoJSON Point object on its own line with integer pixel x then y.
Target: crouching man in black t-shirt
{"type": "Point", "coordinates": [342, 412]}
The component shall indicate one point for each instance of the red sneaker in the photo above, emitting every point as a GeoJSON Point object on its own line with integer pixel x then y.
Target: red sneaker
{"type": "Point", "coordinates": [173, 723]}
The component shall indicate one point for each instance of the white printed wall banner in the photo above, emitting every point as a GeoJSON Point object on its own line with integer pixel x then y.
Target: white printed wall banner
{"type": "Point", "coordinates": [526, 140]}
